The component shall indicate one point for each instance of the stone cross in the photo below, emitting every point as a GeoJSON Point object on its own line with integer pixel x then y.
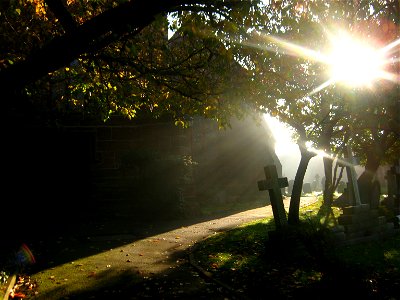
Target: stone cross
{"type": "Point", "coordinates": [274, 184]}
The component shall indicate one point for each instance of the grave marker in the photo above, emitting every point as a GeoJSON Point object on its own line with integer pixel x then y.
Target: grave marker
{"type": "Point", "coordinates": [341, 187]}
{"type": "Point", "coordinates": [352, 176]}
{"type": "Point", "coordinates": [393, 184]}
{"type": "Point", "coordinates": [307, 188]}
{"type": "Point", "coordinates": [274, 184]}
{"type": "Point", "coordinates": [290, 187]}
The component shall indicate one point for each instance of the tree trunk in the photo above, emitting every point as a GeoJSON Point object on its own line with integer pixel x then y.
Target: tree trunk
{"type": "Point", "coordinates": [328, 188]}
{"type": "Point", "coordinates": [366, 178]}
{"type": "Point", "coordinates": [294, 209]}
{"type": "Point", "coordinates": [90, 37]}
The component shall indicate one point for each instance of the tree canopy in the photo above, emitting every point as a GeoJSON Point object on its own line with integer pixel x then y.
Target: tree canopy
{"type": "Point", "coordinates": [226, 57]}
{"type": "Point", "coordinates": [115, 56]}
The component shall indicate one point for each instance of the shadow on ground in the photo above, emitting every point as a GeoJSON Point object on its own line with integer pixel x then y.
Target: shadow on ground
{"type": "Point", "coordinates": [180, 282]}
{"type": "Point", "coordinates": [58, 239]}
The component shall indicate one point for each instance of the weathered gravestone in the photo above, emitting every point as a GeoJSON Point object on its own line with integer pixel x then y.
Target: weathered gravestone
{"type": "Point", "coordinates": [351, 194]}
{"type": "Point", "coordinates": [341, 187]}
{"type": "Point", "coordinates": [352, 177]}
{"type": "Point", "coordinates": [274, 184]}
{"type": "Point", "coordinates": [393, 186]}
{"type": "Point", "coordinates": [375, 196]}
{"type": "Point", "coordinates": [314, 185]}
{"type": "Point", "coordinates": [290, 187]}
{"type": "Point", "coordinates": [307, 188]}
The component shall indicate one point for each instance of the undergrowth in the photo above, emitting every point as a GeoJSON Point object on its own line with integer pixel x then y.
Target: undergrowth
{"type": "Point", "coordinates": [255, 261]}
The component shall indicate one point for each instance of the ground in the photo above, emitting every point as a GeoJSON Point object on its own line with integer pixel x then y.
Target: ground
{"type": "Point", "coordinates": [141, 261]}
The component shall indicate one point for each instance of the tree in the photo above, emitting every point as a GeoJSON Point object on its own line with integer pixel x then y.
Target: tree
{"type": "Point", "coordinates": [288, 80]}
{"type": "Point", "coordinates": [95, 58]}
{"type": "Point", "coordinates": [98, 55]}
{"type": "Point", "coordinates": [291, 66]}
{"type": "Point", "coordinates": [374, 112]}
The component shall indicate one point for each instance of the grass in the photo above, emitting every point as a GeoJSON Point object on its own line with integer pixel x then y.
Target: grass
{"type": "Point", "coordinates": [306, 263]}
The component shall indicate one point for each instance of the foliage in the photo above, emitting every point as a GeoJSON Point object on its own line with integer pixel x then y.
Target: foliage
{"type": "Point", "coordinates": [116, 73]}
{"type": "Point", "coordinates": [3, 277]}
{"type": "Point", "coordinates": [94, 57]}
{"type": "Point", "coordinates": [289, 62]}
{"type": "Point", "coordinates": [290, 65]}
{"type": "Point", "coordinates": [246, 260]}
{"type": "Point", "coordinates": [226, 58]}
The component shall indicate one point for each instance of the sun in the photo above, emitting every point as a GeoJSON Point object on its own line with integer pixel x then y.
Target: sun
{"type": "Point", "coordinates": [355, 63]}
{"type": "Point", "coordinates": [351, 60]}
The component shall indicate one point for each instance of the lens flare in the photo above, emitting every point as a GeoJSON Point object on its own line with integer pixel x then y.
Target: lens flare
{"type": "Point", "coordinates": [24, 256]}
{"type": "Point", "coordinates": [349, 61]}
{"type": "Point", "coordinates": [354, 63]}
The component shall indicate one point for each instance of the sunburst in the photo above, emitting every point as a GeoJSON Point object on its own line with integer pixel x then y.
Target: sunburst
{"type": "Point", "coordinates": [349, 60]}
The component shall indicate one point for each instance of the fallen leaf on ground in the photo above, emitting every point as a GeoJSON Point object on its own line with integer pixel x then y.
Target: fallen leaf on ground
{"type": "Point", "coordinates": [92, 274]}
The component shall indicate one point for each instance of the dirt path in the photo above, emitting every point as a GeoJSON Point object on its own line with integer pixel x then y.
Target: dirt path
{"type": "Point", "coordinates": [155, 266]}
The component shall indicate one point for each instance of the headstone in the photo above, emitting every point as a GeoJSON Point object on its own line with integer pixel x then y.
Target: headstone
{"type": "Point", "coordinates": [290, 187]}
{"type": "Point", "coordinates": [314, 185]}
{"type": "Point", "coordinates": [341, 187]}
{"type": "Point", "coordinates": [317, 183]}
{"type": "Point", "coordinates": [307, 188]}
{"type": "Point", "coordinates": [397, 191]}
{"type": "Point", "coordinates": [352, 176]}
{"type": "Point", "coordinates": [393, 186]}
{"type": "Point", "coordinates": [349, 194]}
{"type": "Point", "coordinates": [274, 184]}
{"type": "Point", "coordinates": [375, 195]}
{"type": "Point", "coordinates": [344, 199]}
{"type": "Point", "coordinates": [392, 177]}
{"type": "Point", "coordinates": [323, 183]}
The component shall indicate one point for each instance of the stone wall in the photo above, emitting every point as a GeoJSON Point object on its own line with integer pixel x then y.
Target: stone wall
{"type": "Point", "coordinates": [56, 174]}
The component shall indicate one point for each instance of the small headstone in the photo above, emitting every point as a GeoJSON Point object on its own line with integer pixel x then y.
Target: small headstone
{"type": "Point", "coordinates": [349, 193]}
{"type": "Point", "coordinates": [314, 185]}
{"type": "Point", "coordinates": [290, 187]}
{"type": "Point", "coordinates": [352, 176]}
{"type": "Point", "coordinates": [323, 182]}
{"type": "Point", "coordinates": [392, 177]}
{"type": "Point", "coordinates": [375, 195]}
{"type": "Point", "coordinates": [307, 188]}
{"type": "Point", "coordinates": [341, 187]}
{"type": "Point", "coordinates": [273, 185]}
{"type": "Point", "coordinates": [317, 183]}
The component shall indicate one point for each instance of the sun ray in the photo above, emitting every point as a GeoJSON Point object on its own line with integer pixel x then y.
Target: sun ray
{"type": "Point", "coordinates": [390, 46]}
{"type": "Point", "coordinates": [297, 50]}
{"type": "Point", "coordinates": [354, 63]}
{"type": "Point", "coordinates": [321, 87]}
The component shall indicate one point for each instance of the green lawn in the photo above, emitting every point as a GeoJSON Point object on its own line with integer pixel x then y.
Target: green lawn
{"type": "Point", "coordinates": [307, 263]}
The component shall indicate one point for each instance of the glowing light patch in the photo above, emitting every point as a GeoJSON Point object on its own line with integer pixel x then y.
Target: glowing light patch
{"type": "Point", "coordinates": [355, 64]}
{"type": "Point", "coordinates": [284, 144]}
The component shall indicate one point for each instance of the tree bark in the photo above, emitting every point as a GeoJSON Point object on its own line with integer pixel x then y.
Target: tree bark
{"type": "Point", "coordinates": [366, 178]}
{"type": "Point", "coordinates": [93, 35]}
{"type": "Point", "coordinates": [61, 51]}
{"type": "Point", "coordinates": [294, 208]}
{"type": "Point", "coordinates": [328, 192]}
